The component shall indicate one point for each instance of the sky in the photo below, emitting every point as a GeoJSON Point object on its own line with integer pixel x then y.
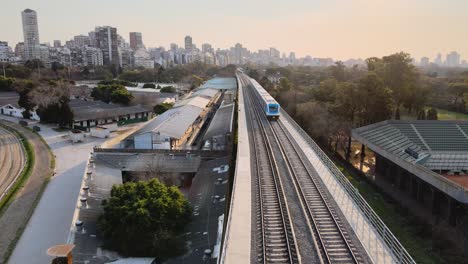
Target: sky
{"type": "Point", "coordinates": [340, 29]}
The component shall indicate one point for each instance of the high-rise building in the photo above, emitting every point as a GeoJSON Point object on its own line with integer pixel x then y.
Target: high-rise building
{"type": "Point", "coordinates": [19, 50]}
{"type": "Point", "coordinates": [81, 41]}
{"type": "Point", "coordinates": [136, 40]}
{"type": "Point", "coordinates": [206, 48]}
{"type": "Point", "coordinates": [93, 56]}
{"type": "Point", "coordinates": [188, 44]}
{"type": "Point", "coordinates": [438, 59]}
{"type": "Point", "coordinates": [453, 59]}
{"type": "Point", "coordinates": [238, 54]}
{"type": "Point", "coordinates": [5, 51]}
{"type": "Point", "coordinates": [32, 48]}
{"type": "Point", "coordinates": [57, 44]}
{"type": "Point", "coordinates": [424, 62]}
{"type": "Point", "coordinates": [274, 53]}
{"type": "Point", "coordinates": [105, 38]}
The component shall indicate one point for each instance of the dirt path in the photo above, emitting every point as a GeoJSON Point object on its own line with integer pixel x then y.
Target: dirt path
{"type": "Point", "coordinates": [15, 218]}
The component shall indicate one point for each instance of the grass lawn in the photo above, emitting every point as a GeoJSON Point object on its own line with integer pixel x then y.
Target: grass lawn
{"type": "Point", "coordinates": [416, 238]}
{"type": "Point", "coordinates": [449, 115]}
{"type": "Point", "coordinates": [441, 114]}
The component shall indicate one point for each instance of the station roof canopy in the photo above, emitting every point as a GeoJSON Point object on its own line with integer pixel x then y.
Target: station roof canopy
{"type": "Point", "coordinates": [437, 145]}
{"type": "Point", "coordinates": [220, 84]}
{"type": "Point", "coordinates": [222, 122]}
{"type": "Point", "coordinates": [174, 122]}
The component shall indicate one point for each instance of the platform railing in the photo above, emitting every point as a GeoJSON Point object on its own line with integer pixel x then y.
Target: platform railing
{"type": "Point", "coordinates": [399, 252]}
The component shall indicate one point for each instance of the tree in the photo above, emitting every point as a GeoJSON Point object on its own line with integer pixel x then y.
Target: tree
{"type": "Point", "coordinates": [145, 219]}
{"type": "Point", "coordinates": [121, 96]}
{"type": "Point", "coordinates": [161, 108]}
{"type": "Point", "coordinates": [400, 75]}
{"type": "Point", "coordinates": [338, 71]}
{"type": "Point", "coordinates": [266, 83]}
{"type": "Point", "coordinates": [24, 88]}
{"type": "Point", "coordinates": [34, 64]}
{"type": "Point", "coordinates": [347, 104]}
{"type": "Point", "coordinates": [421, 115]}
{"type": "Point", "coordinates": [285, 85]}
{"type": "Point", "coordinates": [6, 84]}
{"type": "Point", "coordinates": [432, 114]}
{"type": "Point", "coordinates": [376, 100]}
{"type": "Point", "coordinates": [115, 93]}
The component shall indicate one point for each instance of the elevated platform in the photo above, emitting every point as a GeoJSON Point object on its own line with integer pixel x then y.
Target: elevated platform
{"type": "Point", "coordinates": [237, 238]}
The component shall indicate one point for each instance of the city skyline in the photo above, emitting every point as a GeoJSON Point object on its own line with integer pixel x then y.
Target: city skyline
{"type": "Point", "coordinates": [335, 29]}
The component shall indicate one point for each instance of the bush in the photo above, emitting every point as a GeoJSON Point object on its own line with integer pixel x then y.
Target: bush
{"type": "Point", "coordinates": [149, 85]}
{"type": "Point", "coordinates": [145, 219]}
{"type": "Point", "coordinates": [168, 89]}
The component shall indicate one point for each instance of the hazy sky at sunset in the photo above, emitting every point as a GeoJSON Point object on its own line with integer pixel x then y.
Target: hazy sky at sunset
{"type": "Point", "coordinates": [321, 28]}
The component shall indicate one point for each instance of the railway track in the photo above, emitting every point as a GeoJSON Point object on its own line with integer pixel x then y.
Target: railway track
{"type": "Point", "coordinates": [11, 159]}
{"type": "Point", "coordinates": [276, 243]}
{"type": "Point", "coordinates": [336, 245]}
{"type": "Point", "coordinates": [332, 241]}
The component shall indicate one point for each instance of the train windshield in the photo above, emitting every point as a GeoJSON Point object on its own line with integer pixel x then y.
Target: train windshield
{"type": "Point", "coordinates": [273, 108]}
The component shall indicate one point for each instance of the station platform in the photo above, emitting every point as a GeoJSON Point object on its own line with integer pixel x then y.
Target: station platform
{"type": "Point", "coordinates": [237, 238]}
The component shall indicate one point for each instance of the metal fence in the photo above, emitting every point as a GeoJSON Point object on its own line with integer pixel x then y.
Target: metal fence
{"type": "Point", "coordinates": [399, 252]}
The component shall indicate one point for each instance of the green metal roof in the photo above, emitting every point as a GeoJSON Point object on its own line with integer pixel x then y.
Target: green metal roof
{"type": "Point", "coordinates": [437, 145]}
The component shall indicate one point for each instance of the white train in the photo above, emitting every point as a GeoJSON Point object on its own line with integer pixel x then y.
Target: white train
{"type": "Point", "coordinates": [269, 104]}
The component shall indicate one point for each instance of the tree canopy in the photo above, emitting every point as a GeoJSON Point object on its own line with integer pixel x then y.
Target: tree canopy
{"type": "Point", "coordinates": [115, 93]}
{"type": "Point", "coordinates": [161, 108]}
{"type": "Point", "coordinates": [145, 219]}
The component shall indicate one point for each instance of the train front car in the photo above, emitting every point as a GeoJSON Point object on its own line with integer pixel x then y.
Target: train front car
{"type": "Point", "coordinates": [269, 104]}
{"type": "Point", "coordinates": [272, 110]}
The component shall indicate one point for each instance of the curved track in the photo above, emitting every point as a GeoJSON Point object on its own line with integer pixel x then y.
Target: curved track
{"type": "Point", "coordinates": [12, 159]}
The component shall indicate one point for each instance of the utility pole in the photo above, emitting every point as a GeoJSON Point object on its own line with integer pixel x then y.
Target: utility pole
{"type": "Point", "coordinates": [4, 73]}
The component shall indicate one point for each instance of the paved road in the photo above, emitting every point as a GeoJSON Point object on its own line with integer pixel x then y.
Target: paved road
{"type": "Point", "coordinates": [11, 159]}
{"type": "Point", "coordinates": [51, 221]}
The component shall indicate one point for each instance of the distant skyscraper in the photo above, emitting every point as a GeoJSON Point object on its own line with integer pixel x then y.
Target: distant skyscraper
{"type": "Point", "coordinates": [453, 59]}
{"type": "Point", "coordinates": [174, 47]}
{"type": "Point", "coordinates": [188, 43]}
{"type": "Point", "coordinates": [57, 44]}
{"type": "Point", "coordinates": [438, 59]}
{"type": "Point", "coordinates": [32, 48]}
{"type": "Point", "coordinates": [207, 48]}
{"type": "Point", "coordinates": [136, 40]}
{"type": "Point", "coordinates": [292, 57]}
{"type": "Point", "coordinates": [274, 53]}
{"type": "Point", "coordinates": [239, 54]}
{"type": "Point", "coordinates": [424, 61]}
{"type": "Point", "coordinates": [105, 38]}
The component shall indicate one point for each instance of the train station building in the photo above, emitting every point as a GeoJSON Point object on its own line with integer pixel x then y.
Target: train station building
{"type": "Point", "coordinates": [424, 165]}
